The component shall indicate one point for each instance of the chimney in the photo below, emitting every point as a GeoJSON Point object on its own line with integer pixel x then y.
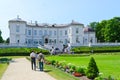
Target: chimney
{"type": "Point", "coordinates": [36, 23]}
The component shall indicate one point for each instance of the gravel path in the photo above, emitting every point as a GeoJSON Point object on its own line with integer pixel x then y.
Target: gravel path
{"type": "Point", "coordinates": [20, 69]}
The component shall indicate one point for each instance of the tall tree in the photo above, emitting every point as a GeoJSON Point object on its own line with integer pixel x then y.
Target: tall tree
{"type": "Point", "coordinates": [93, 25]}
{"type": "Point", "coordinates": [1, 39]}
{"type": "Point", "coordinates": [112, 30]}
{"type": "Point", "coordinates": [107, 30]}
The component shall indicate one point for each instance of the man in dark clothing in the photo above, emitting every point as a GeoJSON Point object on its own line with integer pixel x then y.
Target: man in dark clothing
{"type": "Point", "coordinates": [33, 60]}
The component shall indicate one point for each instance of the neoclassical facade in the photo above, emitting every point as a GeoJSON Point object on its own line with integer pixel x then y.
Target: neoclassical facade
{"type": "Point", "coordinates": [34, 34]}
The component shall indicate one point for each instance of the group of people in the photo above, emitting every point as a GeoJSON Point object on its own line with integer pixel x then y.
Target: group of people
{"type": "Point", "coordinates": [37, 60]}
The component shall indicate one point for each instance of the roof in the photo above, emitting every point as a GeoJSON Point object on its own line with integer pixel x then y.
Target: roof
{"type": "Point", "coordinates": [88, 29]}
{"type": "Point", "coordinates": [48, 25]}
{"type": "Point", "coordinates": [53, 25]}
{"type": "Point", "coordinates": [17, 19]}
{"type": "Point", "coordinates": [75, 23]}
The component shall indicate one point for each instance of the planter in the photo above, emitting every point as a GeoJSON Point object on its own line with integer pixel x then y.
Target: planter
{"type": "Point", "coordinates": [76, 74]}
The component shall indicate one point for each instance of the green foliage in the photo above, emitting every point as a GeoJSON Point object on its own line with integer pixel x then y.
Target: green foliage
{"type": "Point", "coordinates": [3, 67]}
{"type": "Point", "coordinates": [93, 25]}
{"type": "Point", "coordinates": [107, 30]}
{"type": "Point", "coordinates": [92, 70]}
{"type": "Point", "coordinates": [1, 39]}
{"type": "Point", "coordinates": [58, 74]}
{"type": "Point", "coordinates": [20, 51]}
{"type": "Point", "coordinates": [96, 49]}
{"type": "Point", "coordinates": [5, 59]}
{"type": "Point", "coordinates": [106, 62]}
{"type": "Point", "coordinates": [53, 62]}
{"type": "Point", "coordinates": [80, 70]}
{"type": "Point", "coordinates": [102, 78]}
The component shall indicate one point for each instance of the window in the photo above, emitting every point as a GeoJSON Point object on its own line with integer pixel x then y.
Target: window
{"type": "Point", "coordinates": [40, 32]}
{"type": "Point", "coordinates": [77, 30]}
{"type": "Point", "coordinates": [29, 32]}
{"type": "Point", "coordinates": [61, 33]}
{"type": "Point", "coordinates": [77, 39]}
{"type": "Point", "coordinates": [40, 41]}
{"type": "Point", "coordinates": [17, 28]}
{"type": "Point", "coordinates": [54, 32]}
{"type": "Point", "coordinates": [35, 32]}
{"type": "Point", "coordinates": [50, 41]}
{"type": "Point", "coordinates": [45, 32]}
{"type": "Point", "coordinates": [50, 33]}
{"type": "Point", "coordinates": [54, 40]}
{"type": "Point", "coordinates": [91, 40]}
{"type": "Point", "coordinates": [66, 41]}
{"type": "Point", "coordinates": [29, 41]}
{"type": "Point", "coordinates": [65, 32]}
{"type": "Point", "coordinates": [35, 41]}
{"type": "Point", "coordinates": [17, 38]}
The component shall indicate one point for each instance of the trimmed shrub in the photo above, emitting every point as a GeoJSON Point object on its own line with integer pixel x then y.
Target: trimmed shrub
{"type": "Point", "coordinates": [5, 60]}
{"type": "Point", "coordinates": [95, 49]}
{"type": "Point", "coordinates": [92, 70]}
{"type": "Point", "coordinates": [20, 51]}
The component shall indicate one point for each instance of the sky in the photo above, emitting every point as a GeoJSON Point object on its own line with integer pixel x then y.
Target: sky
{"type": "Point", "coordinates": [57, 11]}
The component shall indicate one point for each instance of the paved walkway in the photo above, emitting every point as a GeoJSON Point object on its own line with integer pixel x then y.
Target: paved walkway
{"type": "Point", "coordinates": [20, 69]}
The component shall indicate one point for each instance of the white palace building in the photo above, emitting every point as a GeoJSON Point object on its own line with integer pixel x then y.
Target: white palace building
{"type": "Point", "coordinates": [31, 34]}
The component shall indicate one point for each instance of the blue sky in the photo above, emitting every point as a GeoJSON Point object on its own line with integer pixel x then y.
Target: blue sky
{"type": "Point", "coordinates": [57, 11]}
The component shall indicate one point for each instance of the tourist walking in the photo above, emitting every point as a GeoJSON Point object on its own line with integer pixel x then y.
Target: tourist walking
{"type": "Point", "coordinates": [37, 62]}
{"type": "Point", "coordinates": [41, 61]}
{"type": "Point", "coordinates": [33, 60]}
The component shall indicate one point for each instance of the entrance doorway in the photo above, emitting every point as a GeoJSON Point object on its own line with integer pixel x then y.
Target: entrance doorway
{"type": "Point", "coordinates": [46, 40]}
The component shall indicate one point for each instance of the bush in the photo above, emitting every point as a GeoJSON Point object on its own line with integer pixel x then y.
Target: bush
{"type": "Point", "coordinates": [92, 70]}
{"type": "Point", "coordinates": [95, 49]}
{"type": "Point", "coordinates": [20, 51]}
{"type": "Point", "coordinates": [5, 60]}
{"type": "Point", "coordinates": [53, 62]}
{"type": "Point", "coordinates": [80, 70]}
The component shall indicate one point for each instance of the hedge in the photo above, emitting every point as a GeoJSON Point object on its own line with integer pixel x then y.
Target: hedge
{"type": "Point", "coordinates": [20, 51]}
{"type": "Point", "coordinates": [96, 49]}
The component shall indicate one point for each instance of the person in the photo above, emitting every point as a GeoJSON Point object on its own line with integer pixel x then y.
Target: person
{"type": "Point", "coordinates": [37, 62]}
{"type": "Point", "coordinates": [33, 60]}
{"type": "Point", "coordinates": [41, 61]}
{"type": "Point", "coordinates": [52, 51]}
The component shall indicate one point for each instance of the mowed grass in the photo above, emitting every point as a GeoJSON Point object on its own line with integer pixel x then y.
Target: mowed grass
{"type": "Point", "coordinates": [108, 64]}
{"type": "Point", "coordinates": [58, 74]}
{"type": "Point", "coordinates": [3, 67]}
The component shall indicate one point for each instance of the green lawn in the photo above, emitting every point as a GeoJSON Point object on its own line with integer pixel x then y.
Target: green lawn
{"type": "Point", "coordinates": [107, 64]}
{"type": "Point", "coordinates": [3, 67]}
{"type": "Point", "coordinates": [58, 74]}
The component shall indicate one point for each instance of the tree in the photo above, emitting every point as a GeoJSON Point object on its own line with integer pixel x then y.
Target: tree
{"type": "Point", "coordinates": [7, 40]}
{"type": "Point", "coordinates": [93, 25]}
{"type": "Point", "coordinates": [92, 70]}
{"type": "Point", "coordinates": [112, 30]}
{"type": "Point", "coordinates": [107, 30]}
{"type": "Point", "coordinates": [1, 39]}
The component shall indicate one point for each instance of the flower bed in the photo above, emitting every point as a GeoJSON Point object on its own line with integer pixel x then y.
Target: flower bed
{"type": "Point", "coordinates": [68, 68]}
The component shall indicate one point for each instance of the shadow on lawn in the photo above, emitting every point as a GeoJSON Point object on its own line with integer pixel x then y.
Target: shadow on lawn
{"type": "Point", "coordinates": [47, 70]}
